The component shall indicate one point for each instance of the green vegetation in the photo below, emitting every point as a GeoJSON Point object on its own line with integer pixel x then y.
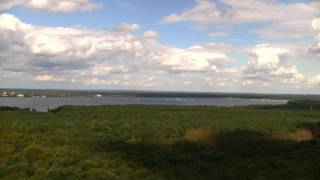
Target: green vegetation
{"type": "Point", "coordinates": [304, 104]}
{"type": "Point", "coordinates": [4, 108]}
{"type": "Point", "coordinates": [161, 142]}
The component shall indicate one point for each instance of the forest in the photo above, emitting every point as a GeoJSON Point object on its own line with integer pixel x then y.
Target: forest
{"type": "Point", "coordinates": [162, 142]}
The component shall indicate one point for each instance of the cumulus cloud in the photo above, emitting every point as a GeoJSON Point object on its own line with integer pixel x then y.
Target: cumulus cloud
{"type": "Point", "coordinates": [46, 77]}
{"type": "Point", "coordinates": [316, 24]}
{"type": "Point", "coordinates": [93, 56]}
{"type": "Point", "coordinates": [193, 59]}
{"type": "Point", "coordinates": [314, 80]}
{"type": "Point", "coordinates": [270, 67]}
{"type": "Point", "coordinates": [150, 34]}
{"type": "Point", "coordinates": [126, 27]}
{"type": "Point", "coordinates": [117, 58]}
{"type": "Point", "coordinates": [316, 27]}
{"type": "Point", "coordinates": [271, 64]}
{"type": "Point", "coordinates": [52, 5]}
{"type": "Point", "coordinates": [291, 19]}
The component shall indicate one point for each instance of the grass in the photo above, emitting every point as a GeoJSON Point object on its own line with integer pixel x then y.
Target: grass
{"type": "Point", "coordinates": [161, 142]}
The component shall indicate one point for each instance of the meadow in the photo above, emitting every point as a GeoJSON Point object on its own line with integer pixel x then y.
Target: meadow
{"type": "Point", "coordinates": [162, 142]}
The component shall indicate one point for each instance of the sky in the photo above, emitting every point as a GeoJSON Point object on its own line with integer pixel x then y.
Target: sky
{"type": "Point", "coordinates": [255, 46]}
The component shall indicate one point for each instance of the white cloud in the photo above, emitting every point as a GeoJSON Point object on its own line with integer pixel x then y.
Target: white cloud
{"type": "Point", "coordinates": [76, 55]}
{"type": "Point", "coordinates": [52, 5]}
{"type": "Point", "coordinates": [314, 80]}
{"type": "Point", "coordinates": [46, 78]}
{"type": "Point", "coordinates": [269, 68]}
{"type": "Point", "coordinates": [150, 34]}
{"type": "Point", "coordinates": [316, 27]}
{"type": "Point", "coordinates": [271, 64]}
{"type": "Point", "coordinates": [290, 19]}
{"type": "Point", "coordinates": [126, 27]}
{"type": "Point", "coordinates": [266, 55]}
{"type": "Point", "coordinates": [200, 14]}
{"type": "Point", "coordinates": [238, 12]}
{"type": "Point", "coordinates": [316, 24]}
{"type": "Point", "coordinates": [117, 58]}
{"type": "Point", "coordinates": [194, 59]}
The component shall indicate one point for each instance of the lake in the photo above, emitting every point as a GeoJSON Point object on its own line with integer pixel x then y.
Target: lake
{"type": "Point", "coordinates": [43, 104]}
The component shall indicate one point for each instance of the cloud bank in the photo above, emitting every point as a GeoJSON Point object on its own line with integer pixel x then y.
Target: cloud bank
{"type": "Point", "coordinates": [284, 20]}
{"type": "Point", "coordinates": [52, 5]}
{"type": "Point", "coordinates": [131, 57]}
{"type": "Point", "coordinates": [92, 56]}
{"type": "Point", "coordinates": [316, 27]}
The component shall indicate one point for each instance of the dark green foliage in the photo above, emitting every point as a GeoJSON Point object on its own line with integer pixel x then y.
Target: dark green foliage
{"type": "Point", "coordinates": [161, 142]}
{"type": "Point", "coordinates": [304, 104]}
{"type": "Point", "coordinates": [4, 108]}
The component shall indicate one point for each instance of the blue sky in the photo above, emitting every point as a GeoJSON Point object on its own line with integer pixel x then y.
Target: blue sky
{"type": "Point", "coordinates": [187, 45]}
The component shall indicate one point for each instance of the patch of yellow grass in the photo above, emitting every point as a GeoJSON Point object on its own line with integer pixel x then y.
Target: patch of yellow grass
{"type": "Point", "coordinates": [300, 135]}
{"type": "Point", "coordinates": [132, 140]}
{"type": "Point", "coordinates": [199, 135]}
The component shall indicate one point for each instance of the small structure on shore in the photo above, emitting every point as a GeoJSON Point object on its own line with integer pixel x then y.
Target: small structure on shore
{"type": "Point", "coordinates": [11, 94]}
{"type": "Point", "coordinates": [4, 94]}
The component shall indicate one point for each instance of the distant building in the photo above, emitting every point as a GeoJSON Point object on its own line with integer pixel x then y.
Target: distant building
{"type": "Point", "coordinates": [11, 94]}
{"type": "Point", "coordinates": [4, 94]}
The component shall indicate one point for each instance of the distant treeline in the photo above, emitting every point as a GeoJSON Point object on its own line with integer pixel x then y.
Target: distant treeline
{"type": "Point", "coordinates": [15, 109]}
{"type": "Point", "coordinates": [304, 104]}
{"type": "Point", "coordinates": [295, 104]}
{"type": "Point", "coordinates": [115, 93]}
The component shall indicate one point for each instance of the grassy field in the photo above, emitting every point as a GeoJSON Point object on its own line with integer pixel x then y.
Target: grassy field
{"type": "Point", "coordinates": [161, 142]}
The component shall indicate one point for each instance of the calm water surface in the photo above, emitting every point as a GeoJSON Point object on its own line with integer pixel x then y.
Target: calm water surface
{"type": "Point", "coordinates": [43, 104]}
